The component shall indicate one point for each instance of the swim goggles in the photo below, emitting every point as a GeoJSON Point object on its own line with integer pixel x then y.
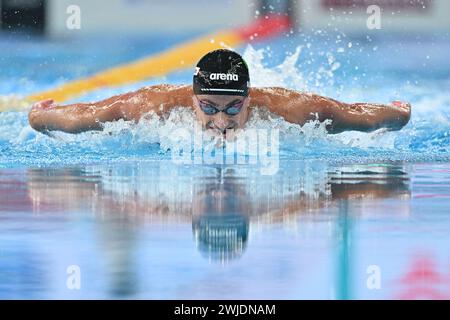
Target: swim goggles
{"type": "Point", "coordinates": [230, 110]}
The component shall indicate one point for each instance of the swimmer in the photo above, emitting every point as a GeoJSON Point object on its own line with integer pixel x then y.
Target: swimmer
{"type": "Point", "coordinates": [222, 99]}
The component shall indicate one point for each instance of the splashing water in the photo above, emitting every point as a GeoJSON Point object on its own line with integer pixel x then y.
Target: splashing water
{"type": "Point", "coordinates": [426, 138]}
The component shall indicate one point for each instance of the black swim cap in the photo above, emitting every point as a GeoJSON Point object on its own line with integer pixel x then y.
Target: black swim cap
{"type": "Point", "coordinates": [222, 72]}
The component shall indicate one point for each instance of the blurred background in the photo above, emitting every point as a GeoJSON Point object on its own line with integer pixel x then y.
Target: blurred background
{"type": "Point", "coordinates": [340, 209]}
{"type": "Point", "coordinates": [49, 17]}
{"type": "Point", "coordinates": [46, 43]}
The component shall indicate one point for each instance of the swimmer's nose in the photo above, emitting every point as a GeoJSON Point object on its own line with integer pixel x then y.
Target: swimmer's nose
{"type": "Point", "coordinates": [221, 122]}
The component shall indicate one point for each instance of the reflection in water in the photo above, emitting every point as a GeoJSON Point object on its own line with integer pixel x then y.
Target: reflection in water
{"type": "Point", "coordinates": [221, 237]}
{"type": "Point", "coordinates": [118, 236]}
{"type": "Point", "coordinates": [221, 203]}
{"type": "Point", "coordinates": [423, 280]}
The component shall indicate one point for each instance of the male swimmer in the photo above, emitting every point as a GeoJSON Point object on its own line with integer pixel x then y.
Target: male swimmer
{"type": "Point", "coordinates": [222, 100]}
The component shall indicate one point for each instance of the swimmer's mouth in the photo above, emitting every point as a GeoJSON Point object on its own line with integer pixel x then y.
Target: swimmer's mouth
{"type": "Point", "coordinates": [211, 126]}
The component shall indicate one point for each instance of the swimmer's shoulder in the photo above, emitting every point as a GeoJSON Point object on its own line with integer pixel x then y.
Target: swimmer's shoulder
{"type": "Point", "coordinates": [165, 87]}
{"type": "Point", "coordinates": [271, 97]}
{"type": "Point", "coordinates": [274, 92]}
{"type": "Point", "coordinates": [167, 95]}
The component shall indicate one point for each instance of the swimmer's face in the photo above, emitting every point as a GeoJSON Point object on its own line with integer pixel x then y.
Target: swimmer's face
{"type": "Point", "coordinates": [235, 118]}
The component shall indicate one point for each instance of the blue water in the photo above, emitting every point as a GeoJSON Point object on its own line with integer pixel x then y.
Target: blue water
{"type": "Point", "coordinates": [349, 68]}
{"type": "Point", "coordinates": [137, 225]}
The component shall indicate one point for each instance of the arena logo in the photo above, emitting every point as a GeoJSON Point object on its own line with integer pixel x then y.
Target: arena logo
{"type": "Point", "coordinates": [224, 76]}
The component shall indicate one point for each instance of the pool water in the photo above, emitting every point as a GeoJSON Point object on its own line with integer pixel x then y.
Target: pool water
{"type": "Point", "coordinates": [348, 216]}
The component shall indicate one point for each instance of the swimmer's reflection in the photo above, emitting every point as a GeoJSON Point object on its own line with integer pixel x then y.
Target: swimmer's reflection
{"type": "Point", "coordinates": [220, 203]}
{"type": "Point", "coordinates": [220, 218]}
{"type": "Point", "coordinates": [221, 238]}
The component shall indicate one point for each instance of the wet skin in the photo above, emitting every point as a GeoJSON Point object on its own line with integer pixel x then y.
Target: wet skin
{"type": "Point", "coordinates": [295, 107]}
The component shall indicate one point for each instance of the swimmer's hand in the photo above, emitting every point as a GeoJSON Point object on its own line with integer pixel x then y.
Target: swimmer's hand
{"type": "Point", "coordinates": [44, 104]}
{"type": "Point", "coordinates": [37, 114]}
{"type": "Point", "coordinates": [402, 116]}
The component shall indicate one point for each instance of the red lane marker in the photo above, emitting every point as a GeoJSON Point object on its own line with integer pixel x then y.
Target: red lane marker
{"type": "Point", "coordinates": [423, 281]}
{"type": "Point", "coordinates": [424, 271]}
{"type": "Point", "coordinates": [265, 27]}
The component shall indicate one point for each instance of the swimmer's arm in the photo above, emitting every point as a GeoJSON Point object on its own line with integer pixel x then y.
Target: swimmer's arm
{"type": "Point", "coordinates": [297, 107]}
{"type": "Point", "coordinates": [46, 116]}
